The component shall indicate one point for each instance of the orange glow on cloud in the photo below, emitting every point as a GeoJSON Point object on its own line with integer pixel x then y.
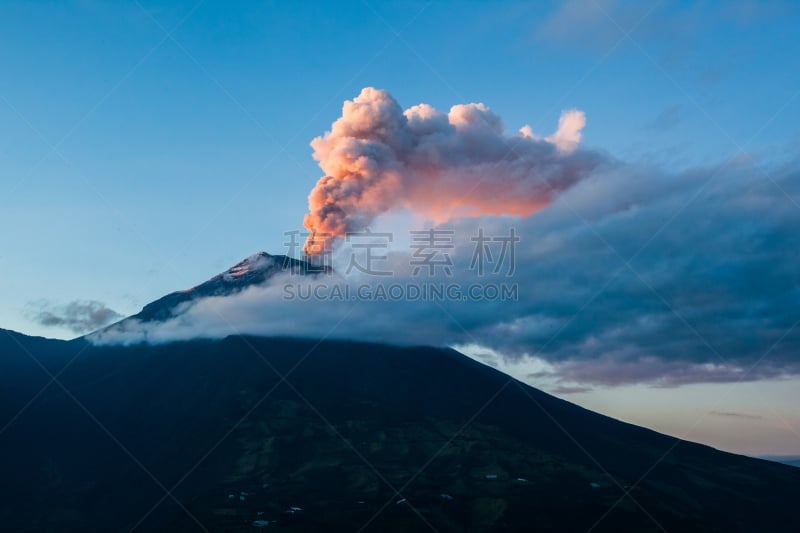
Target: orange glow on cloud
{"type": "Point", "coordinates": [377, 157]}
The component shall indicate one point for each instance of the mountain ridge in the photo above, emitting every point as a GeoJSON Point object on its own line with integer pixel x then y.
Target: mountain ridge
{"type": "Point", "coordinates": [252, 270]}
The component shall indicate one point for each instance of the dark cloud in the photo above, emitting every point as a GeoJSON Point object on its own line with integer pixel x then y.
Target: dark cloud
{"type": "Point", "coordinates": [631, 276]}
{"type": "Point", "coordinates": [80, 316]}
{"type": "Point", "coordinates": [661, 372]}
{"type": "Point", "coordinates": [702, 283]}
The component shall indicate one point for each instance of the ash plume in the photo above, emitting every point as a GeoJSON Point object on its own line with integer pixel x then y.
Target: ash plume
{"type": "Point", "coordinates": [378, 157]}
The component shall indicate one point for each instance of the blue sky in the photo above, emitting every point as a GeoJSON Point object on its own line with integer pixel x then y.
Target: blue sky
{"type": "Point", "coordinates": [146, 147]}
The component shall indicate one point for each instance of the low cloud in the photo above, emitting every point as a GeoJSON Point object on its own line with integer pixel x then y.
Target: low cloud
{"type": "Point", "coordinates": [731, 414]}
{"type": "Point", "coordinates": [565, 389]}
{"type": "Point", "coordinates": [80, 316]}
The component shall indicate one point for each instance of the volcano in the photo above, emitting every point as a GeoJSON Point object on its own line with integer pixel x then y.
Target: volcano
{"type": "Point", "coordinates": [249, 433]}
{"type": "Point", "coordinates": [253, 270]}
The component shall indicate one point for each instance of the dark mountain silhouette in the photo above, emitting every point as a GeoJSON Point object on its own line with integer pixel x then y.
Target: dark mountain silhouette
{"type": "Point", "coordinates": [216, 425]}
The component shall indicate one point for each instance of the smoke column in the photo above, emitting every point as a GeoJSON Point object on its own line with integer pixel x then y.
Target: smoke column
{"type": "Point", "coordinates": [378, 157]}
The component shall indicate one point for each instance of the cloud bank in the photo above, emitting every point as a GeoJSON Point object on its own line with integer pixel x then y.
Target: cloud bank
{"type": "Point", "coordinates": [378, 157]}
{"type": "Point", "coordinates": [630, 276]}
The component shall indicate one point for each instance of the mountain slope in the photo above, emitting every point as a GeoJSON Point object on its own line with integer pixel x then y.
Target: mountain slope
{"type": "Point", "coordinates": [467, 448]}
